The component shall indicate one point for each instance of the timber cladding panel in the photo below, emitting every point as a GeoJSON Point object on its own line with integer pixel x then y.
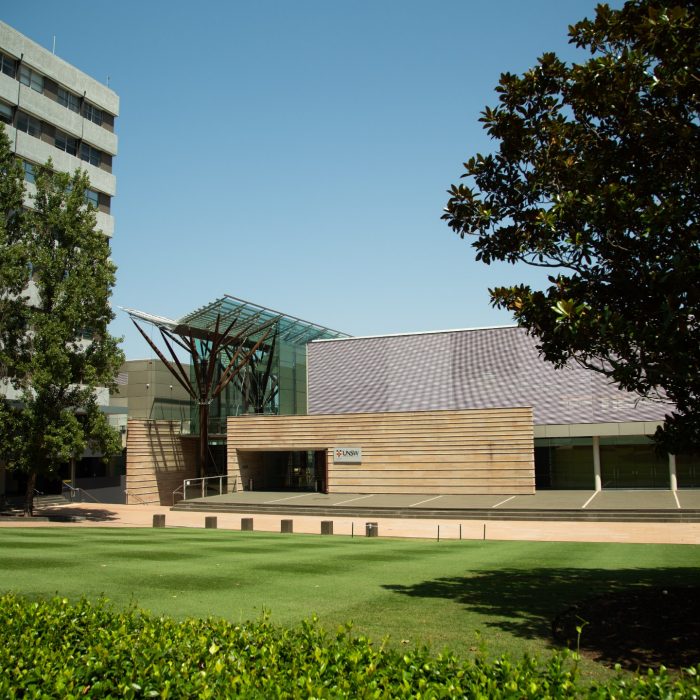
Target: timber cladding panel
{"type": "Point", "coordinates": [487, 451]}
{"type": "Point", "coordinates": [158, 459]}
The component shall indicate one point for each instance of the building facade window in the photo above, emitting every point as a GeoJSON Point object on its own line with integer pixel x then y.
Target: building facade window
{"type": "Point", "coordinates": [8, 65]}
{"type": "Point", "coordinates": [85, 334]}
{"type": "Point", "coordinates": [31, 78]}
{"type": "Point", "coordinates": [94, 114]}
{"type": "Point", "coordinates": [28, 124]}
{"type": "Point", "coordinates": [91, 197]}
{"type": "Point", "coordinates": [66, 143]}
{"type": "Point", "coordinates": [29, 174]}
{"type": "Point", "coordinates": [69, 100]}
{"type": "Point", "coordinates": [90, 155]}
{"type": "Point", "coordinates": [5, 113]}
{"type": "Point", "coordinates": [105, 203]}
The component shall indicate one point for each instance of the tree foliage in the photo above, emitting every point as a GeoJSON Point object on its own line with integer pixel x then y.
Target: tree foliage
{"type": "Point", "coordinates": [57, 350]}
{"type": "Point", "coordinates": [596, 177]}
{"type": "Point", "coordinates": [62, 649]}
{"type": "Point", "coordinates": [13, 257]}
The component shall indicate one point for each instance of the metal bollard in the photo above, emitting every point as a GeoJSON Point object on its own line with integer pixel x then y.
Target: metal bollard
{"type": "Point", "coordinates": [159, 520]}
{"type": "Point", "coordinates": [326, 527]}
{"type": "Point", "coordinates": [247, 524]}
{"type": "Point", "coordinates": [372, 529]}
{"type": "Point", "coordinates": [286, 526]}
{"type": "Point", "coordinates": [210, 522]}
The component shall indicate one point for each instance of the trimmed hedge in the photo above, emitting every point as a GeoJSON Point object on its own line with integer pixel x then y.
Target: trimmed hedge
{"type": "Point", "coordinates": [58, 649]}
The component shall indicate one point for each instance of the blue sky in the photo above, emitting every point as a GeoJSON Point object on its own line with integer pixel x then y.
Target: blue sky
{"type": "Point", "coordinates": [297, 154]}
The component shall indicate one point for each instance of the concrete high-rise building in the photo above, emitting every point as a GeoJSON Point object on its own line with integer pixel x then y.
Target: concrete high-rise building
{"type": "Point", "coordinates": [51, 109]}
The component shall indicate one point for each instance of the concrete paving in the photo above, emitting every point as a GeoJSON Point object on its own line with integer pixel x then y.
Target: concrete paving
{"type": "Point", "coordinates": [637, 500]}
{"type": "Point", "coordinates": [617, 499]}
{"type": "Point", "coordinates": [111, 515]}
{"type": "Point", "coordinates": [689, 498]}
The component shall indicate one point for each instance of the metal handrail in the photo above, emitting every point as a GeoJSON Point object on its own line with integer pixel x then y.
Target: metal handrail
{"type": "Point", "coordinates": [89, 495]}
{"type": "Point", "coordinates": [179, 491]}
{"type": "Point", "coordinates": [202, 483]}
{"type": "Point", "coordinates": [131, 494]}
{"type": "Point", "coordinates": [76, 493]}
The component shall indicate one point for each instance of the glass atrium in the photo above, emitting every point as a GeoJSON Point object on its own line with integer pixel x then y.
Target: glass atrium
{"type": "Point", "coordinates": [273, 378]}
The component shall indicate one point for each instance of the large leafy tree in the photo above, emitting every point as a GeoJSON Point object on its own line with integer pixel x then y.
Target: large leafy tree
{"type": "Point", "coordinates": [13, 259]}
{"type": "Point", "coordinates": [596, 176]}
{"type": "Point", "coordinates": [65, 354]}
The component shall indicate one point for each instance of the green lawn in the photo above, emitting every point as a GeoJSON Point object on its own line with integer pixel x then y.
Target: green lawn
{"type": "Point", "coordinates": [500, 596]}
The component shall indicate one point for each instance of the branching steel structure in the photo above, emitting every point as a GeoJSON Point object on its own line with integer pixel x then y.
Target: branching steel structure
{"type": "Point", "coordinates": [236, 337]}
{"type": "Point", "coordinates": [228, 339]}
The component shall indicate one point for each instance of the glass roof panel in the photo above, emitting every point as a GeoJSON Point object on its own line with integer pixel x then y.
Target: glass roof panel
{"type": "Point", "coordinates": [246, 318]}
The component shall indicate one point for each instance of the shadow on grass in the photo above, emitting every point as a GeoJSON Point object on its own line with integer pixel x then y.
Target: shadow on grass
{"type": "Point", "coordinates": [68, 514]}
{"type": "Point", "coordinates": [526, 603]}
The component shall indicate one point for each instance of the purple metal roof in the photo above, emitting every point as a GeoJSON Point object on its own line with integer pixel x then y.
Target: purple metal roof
{"type": "Point", "coordinates": [483, 368]}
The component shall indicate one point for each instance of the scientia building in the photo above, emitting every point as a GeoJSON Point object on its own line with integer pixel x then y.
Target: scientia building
{"type": "Point", "coordinates": [233, 358]}
{"type": "Point", "coordinates": [285, 404]}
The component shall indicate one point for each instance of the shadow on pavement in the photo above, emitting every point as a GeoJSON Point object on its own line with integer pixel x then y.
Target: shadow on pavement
{"type": "Point", "coordinates": [68, 514]}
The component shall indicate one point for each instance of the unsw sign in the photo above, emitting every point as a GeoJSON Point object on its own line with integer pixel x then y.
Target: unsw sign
{"type": "Point", "coordinates": [347, 455]}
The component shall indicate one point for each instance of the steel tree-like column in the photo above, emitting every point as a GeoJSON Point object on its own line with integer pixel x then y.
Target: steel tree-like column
{"type": "Point", "coordinates": [240, 339]}
{"type": "Point", "coordinates": [203, 436]}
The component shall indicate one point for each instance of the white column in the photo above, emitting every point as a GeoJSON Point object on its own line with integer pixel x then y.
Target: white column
{"type": "Point", "coordinates": [672, 472]}
{"type": "Point", "coordinates": [596, 463]}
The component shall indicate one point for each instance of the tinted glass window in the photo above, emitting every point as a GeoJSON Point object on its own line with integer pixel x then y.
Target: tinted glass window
{"type": "Point", "coordinates": [28, 124]}
{"type": "Point", "coordinates": [66, 143]}
{"type": "Point", "coordinates": [92, 197]}
{"type": "Point", "coordinates": [28, 172]}
{"type": "Point", "coordinates": [5, 113]}
{"type": "Point", "coordinates": [94, 114]}
{"type": "Point", "coordinates": [90, 155]}
{"type": "Point", "coordinates": [8, 65]}
{"type": "Point", "coordinates": [68, 99]}
{"type": "Point", "coordinates": [31, 78]}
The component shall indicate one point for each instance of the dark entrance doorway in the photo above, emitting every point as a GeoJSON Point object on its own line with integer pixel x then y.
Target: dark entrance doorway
{"type": "Point", "coordinates": [289, 470]}
{"type": "Point", "coordinates": [543, 468]}
{"type": "Point", "coordinates": [216, 464]}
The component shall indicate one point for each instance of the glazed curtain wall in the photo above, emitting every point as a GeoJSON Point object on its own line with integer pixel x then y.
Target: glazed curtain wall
{"type": "Point", "coordinates": [625, 462]}
{"type": "Point", "coordinates": [274, 383]}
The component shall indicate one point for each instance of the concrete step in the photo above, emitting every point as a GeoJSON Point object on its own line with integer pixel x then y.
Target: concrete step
{"type": "Point", "coordinates": [656, 516]}
{"type": "Point", "coordinates": [16, 503]}
{"type": "Point", "coordinates": [49, 500]}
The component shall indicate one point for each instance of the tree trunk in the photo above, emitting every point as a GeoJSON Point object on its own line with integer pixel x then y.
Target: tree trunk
{"type": "Point", "coordinates": [29, 495]}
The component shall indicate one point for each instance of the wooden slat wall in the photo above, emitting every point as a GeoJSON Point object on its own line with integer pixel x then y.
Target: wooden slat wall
{"type": "Point", "coordinates": [443, 452]}
{"type": "Point", "coordinates": [157, 460]}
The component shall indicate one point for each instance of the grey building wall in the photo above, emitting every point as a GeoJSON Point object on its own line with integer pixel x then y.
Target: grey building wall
{"type": "Point", "coordinates": [147, 390]}
{"type": "Point", "coordinates": [40, 101]}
